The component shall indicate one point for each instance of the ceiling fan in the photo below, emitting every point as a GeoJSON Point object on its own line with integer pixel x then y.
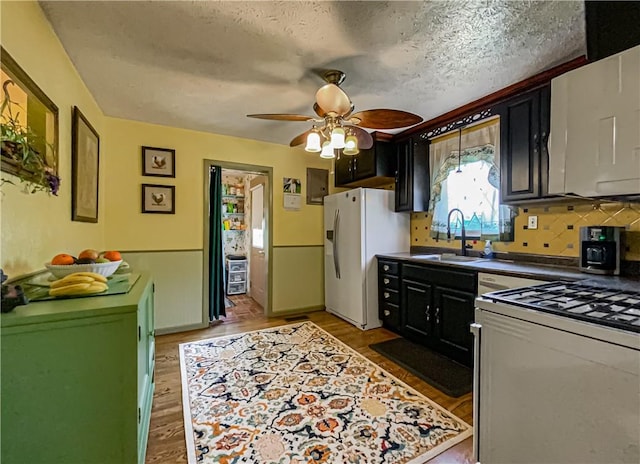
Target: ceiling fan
{"type": "Point", "coordinates": [335, 120]}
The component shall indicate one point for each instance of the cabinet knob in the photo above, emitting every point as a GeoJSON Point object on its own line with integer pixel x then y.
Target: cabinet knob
{"type": "Point", "coordinates": [386, 295]}
{"type": "Point", "coordinates": [385, 267]}
{"type": "Point", "coordinates": [386, 281]}
{"type": "Point", "coordinates": [387, 312]}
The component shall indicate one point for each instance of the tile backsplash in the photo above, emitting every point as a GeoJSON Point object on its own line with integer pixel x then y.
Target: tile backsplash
{"type": "Point", "coordinates": [558, 228]}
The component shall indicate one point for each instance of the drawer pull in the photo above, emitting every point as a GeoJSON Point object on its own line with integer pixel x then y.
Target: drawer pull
{"type": "Point", "coordinates": [387, 312]}
{"type": "Point", "coordinates": [386, 281]}
{"type": "Point", "coordinates": [386, 295]}
{"type": "Point", "coordinates": [437, 315]}
{"type": "Point", "coordinates": [427, 312]}
{"type": "Point", "coordinates": [385, 267]}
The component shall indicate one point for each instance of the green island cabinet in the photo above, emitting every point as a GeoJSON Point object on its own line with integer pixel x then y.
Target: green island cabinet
{"type": "Point", "coordinates": [77, 379]}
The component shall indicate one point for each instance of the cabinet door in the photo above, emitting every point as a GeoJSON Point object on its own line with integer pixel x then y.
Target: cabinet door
{"type": "Point", "coordinates": [453, 314]}
{"type": "Point", "coordinates": [520, 148]}
{"type": "Point", "coordinates": [545, 129]}
{"type": "Point", "coordinates": [343, 174]}
{"type": "Point", "coordinates": [364, 163]}
{"type": "Point", "coordinates": [417, 311]}
{"type": "Point", "coordinates": [594, 121]}
{"type": "Point", "coordinates": [404, 176]}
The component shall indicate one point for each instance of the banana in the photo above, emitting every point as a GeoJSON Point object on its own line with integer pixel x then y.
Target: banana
{"type": "Point", "coordinates": [97, 287]}
{"type": "Point", "coordinates": [72, 289]}
{"type": "Point", "coordinates": [72, 280]}
{"type": "Point", "coordinates": [98, 277]}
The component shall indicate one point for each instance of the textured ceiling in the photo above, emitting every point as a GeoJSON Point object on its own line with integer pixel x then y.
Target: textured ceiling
{"type": "Point", "coordinates": [205, 65]}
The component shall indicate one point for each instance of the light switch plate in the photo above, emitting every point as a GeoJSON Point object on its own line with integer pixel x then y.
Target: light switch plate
{"type": "Point", "coordinates": [533, 222]}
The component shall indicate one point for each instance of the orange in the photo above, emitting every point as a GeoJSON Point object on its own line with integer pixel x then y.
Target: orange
{"type": "Point", "coordinates": [112, 255]}
{"type": "Point", "coordinates": [89, 253]}
{"type": "Point", "coordinates": [63, 259]}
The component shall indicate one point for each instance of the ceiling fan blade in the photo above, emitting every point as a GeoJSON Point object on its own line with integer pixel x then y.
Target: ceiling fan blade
{"type": "Point", "coordinates": [365, 141]}
{"type": "Point", "coordinates": [332, 98]}
{"type": "Point", "coordinates": [282, 117]}
{"type": "Point", "coordinates": [299, 139]}
{"type": "Point", "coordinates": [386, 119]}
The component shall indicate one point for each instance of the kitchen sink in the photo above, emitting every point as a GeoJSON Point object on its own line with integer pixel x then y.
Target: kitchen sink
{"type": "Point", "coordinates": [447, 257]}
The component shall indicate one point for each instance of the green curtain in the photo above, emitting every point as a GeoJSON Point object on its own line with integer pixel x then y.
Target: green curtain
{"type": "Point", "coordinates": [216, 258]}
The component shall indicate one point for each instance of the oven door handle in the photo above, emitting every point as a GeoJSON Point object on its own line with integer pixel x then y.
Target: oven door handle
{"type": "Point", "coordinates": [476, 330]}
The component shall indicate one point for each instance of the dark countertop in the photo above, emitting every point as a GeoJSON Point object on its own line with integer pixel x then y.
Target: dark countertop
{"type": "Point", "coordinates": [522, 269]}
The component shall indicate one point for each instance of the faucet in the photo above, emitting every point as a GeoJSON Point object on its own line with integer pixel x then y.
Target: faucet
{"type": "Point", "coordinates": [462, 232]}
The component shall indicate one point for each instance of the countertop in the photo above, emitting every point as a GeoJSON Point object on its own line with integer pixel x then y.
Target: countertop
{"type": "Point", "coordinates": [522, 269]}
{"type": "Point", "coordinates": [74, 308]}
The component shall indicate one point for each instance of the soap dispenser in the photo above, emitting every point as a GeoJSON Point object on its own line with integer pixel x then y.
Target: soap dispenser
{"type": "Point", "coordinates": [488, 250]}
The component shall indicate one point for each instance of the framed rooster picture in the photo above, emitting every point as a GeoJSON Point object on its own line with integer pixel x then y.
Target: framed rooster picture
{"type": "Point", "coordinates": [159, 199]}
{"type": "Point", "coordinates": [158, 162]}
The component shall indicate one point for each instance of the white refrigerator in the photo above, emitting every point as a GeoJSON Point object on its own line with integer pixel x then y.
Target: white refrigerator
{"type": "Point", "coordinates": [358, 224]}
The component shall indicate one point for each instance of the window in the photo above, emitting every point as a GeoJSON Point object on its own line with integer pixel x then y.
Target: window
{"type": "Point", "coordinates": [465, 175]}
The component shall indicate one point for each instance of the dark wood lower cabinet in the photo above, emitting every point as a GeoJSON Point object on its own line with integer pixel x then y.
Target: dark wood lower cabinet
{"type": "Point", "coordinates": [417, 323]}
{"type": "Point", "coordinates": [434, 307]}
{"type": "Point", "coordinates": [453, 314]}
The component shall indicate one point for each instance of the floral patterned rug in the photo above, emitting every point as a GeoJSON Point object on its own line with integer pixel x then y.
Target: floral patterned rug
{"type": "Point", "coordinates": [295, 394]}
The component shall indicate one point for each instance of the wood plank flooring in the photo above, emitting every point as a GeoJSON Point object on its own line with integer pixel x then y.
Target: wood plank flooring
{"type": "Point", "coordinates": [166, 433]}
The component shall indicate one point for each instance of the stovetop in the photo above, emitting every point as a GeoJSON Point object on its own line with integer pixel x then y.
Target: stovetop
{"type": "Point", "coordinates": [599, 305]}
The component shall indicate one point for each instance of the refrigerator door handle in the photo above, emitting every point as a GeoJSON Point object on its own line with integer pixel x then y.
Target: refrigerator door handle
{"type": "Point", "coordinates": [476, 330]}
{"type": "Point", "coordinates": [336, 236]}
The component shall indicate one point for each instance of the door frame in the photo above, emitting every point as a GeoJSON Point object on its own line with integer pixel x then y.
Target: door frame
{"type": "Point", "coordinates": [266, 171]}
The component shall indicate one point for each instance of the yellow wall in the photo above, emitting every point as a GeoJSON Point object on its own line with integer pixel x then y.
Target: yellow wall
{"type": "Point", "coordinates": [128, 229]}
{"type": "Point", "coordinates": [558, 228]}
{"type": "Point", "coordinates": [36, 227]}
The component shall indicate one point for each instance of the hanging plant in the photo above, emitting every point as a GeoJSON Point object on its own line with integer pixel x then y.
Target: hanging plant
{"type": "Point", "coordinates": [18, 143]}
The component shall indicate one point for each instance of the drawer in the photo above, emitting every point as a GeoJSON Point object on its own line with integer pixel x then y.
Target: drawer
{"type": "Point", "coordinates": [388, 281]}
{"type": "Point", "coordinates": [236, 288]}
{"type": "Point", "coordinates": [388, 267]}
{"type": "Point", "coordinates": [389, 296]}
{"type": "Point", "coordinates": [238, 276]}
{"type": "Point", "coordinates": [390, 315]}
{"type": "Point", "coordinates": [237, 266]}
{"type": "Point", "coordinates": [462, 280]}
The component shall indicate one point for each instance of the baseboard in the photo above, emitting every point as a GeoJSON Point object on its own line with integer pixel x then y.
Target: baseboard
{"type": "Point", "coordinates": [182, 328]}
{"type": "Point", "coordinates": [292, 312]}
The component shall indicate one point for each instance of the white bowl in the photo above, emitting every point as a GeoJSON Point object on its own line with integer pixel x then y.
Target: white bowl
{"type": "Point", "coordinates": [61, 270]}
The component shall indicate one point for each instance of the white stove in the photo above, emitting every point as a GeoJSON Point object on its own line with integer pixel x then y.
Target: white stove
{"type": "Point", "coordinates": [596, 304]}
{"type": "Point", "coordinates": [557, 374]}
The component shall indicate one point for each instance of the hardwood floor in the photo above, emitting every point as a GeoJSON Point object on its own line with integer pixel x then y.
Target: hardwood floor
{"type": "Point", "coordinates": [166, 433]}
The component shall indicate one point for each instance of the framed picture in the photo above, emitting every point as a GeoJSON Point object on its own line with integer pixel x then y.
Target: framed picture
{"type": "Point", "coordinates": [159, 199]}
{"type": "Point", "coordinates": [30, 108]}
{"type": "Point", "coordinates": [85, 162]}
{"type": "Point", "coordinates": [159, 162]}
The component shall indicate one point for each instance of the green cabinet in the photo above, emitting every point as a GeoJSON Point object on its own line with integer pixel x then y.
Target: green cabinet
{"type": "Point", "coordinates": [77, 379]}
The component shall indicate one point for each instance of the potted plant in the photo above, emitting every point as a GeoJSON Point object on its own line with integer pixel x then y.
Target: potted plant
{"type": "Point", "coordinates": [19, 149]}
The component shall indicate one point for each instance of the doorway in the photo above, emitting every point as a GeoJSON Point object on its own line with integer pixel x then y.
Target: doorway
{"type": "Point", "coordinates": [237, 240]}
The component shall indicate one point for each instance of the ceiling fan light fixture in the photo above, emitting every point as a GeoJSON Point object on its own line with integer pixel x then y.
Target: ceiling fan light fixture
{"type": "Point", "coordinates": [313, 142]}
{"type": "Point", "coordinates": [337, 138]}
{"type": "Point", "coordinates": [351, 145]}
{"type": "Point", "coordinates": [327, 151]}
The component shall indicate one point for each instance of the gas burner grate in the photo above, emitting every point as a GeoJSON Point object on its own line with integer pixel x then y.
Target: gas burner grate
{"type": "Point", "coordinates": [619, 309]}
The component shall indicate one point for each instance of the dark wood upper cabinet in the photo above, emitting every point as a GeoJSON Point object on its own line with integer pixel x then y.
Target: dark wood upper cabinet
{"type": "Point", "coordinates": [612, 27]}
{"type": "Point", "coordinates": [373, 167]}
{"type": "Point", "coordinates": [524, 157]}
{"type": "Point", "coordinates": [412, 175]}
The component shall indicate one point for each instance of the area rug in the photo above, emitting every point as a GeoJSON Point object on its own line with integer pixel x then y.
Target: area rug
{"type": "Point", "coordinates": [295, 394]}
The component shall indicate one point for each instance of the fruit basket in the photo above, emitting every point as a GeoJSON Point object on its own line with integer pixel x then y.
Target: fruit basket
{"type": "Point", "coordinates": [61, 270]}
